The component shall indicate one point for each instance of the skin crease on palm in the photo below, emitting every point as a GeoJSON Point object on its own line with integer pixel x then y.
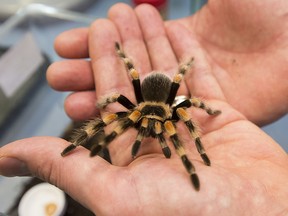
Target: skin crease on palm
{"type": "Point", "coordinates": [249, 173]}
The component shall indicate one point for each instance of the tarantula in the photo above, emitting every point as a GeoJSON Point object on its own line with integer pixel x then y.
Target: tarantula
{"type": "Point", "coordinates": [154, 115]}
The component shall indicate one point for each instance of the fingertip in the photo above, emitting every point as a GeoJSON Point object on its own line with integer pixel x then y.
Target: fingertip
{"type": "Point", "coordinates": [15, 157]}
{"type": "Point", "coordinates": [72, 43]}
{"type": "Point", "coordinates": [54, 76]}
{"type": "Point", "coordinates": [42, 157]}
{"type": "Point", "coordinates": [101, 34]}
{"type": "Point", "coordinates": [70, 75]}
{"type": "Point", "coordinates": [154, 33]}
{"type": "Point", "coordinates": [10, 167]}
{"type": "Point", "coordinates": [50, 75]}
{"type": "Point", "coordinates": [146, 8]}
{"type": "Point", "coordinates": [119, 7]}
{"type": "Point", "coordinates": [81, 106]}
{"type": "Point", "coordinates": [125, 20]}
{"type": "Point", "coordinates": [150, 21]}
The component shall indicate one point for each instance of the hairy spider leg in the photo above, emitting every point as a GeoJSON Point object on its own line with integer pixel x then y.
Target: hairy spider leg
{"type": "Point", "coordinates": [171, 130]}
{"type": "Point", "coordinates": [177, 80]}
{"type": "Point", "coordinates": [88, 133]}
{"type": "Point", "coordinates": [141, 134]}
{"type": "Point", "coordinates": [183, 115]}
{"type": "Point", "coordinates": [196, 102]}
{"type": "Point", "coordinates": [160, 136]}
{"type": "Point", "coordinates": [82, 136]}
{"type": "Point", "coordinates": [123, 124]}
{"type": "Point", "coordinates": [132, 71]}
{"type": "Point", "coordinates": [116, 97]}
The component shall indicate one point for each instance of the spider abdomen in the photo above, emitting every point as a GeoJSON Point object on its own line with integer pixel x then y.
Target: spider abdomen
{"type": "Point", "coordinates": [156, 87]}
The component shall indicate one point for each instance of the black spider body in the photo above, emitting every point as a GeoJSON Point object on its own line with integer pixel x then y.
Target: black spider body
{"type": "Point", "coordinates": [155, 115]}
{"type": "Point", "coordinates": [156, 87]}
{"type": "Point", "coordinates": [155, 91]}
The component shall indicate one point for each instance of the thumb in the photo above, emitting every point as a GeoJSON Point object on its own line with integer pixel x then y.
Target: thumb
{"type": "Point", "coordinates": [40, 157]}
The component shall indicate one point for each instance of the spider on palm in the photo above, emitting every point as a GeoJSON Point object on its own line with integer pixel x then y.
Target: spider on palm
{"type": "Point", "coordinates": [154, 115]}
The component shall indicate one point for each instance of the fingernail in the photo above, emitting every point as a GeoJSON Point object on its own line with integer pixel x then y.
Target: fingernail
{"type": "Point", "coordinates": [12, 167]}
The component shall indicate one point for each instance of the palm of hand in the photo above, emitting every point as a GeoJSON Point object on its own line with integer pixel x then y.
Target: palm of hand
{"type": "Point", "coordinates": [246, 47]}
{"type": "Point", "coordinates": [241, 155]}
{"type": "Point", "coordinates": [247, 171]}
{"type": "Point", "coordinates": [246, 176]}
{"type": "Point", "coordinates": [245, 161]}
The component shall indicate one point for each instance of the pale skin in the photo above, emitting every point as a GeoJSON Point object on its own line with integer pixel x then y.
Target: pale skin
{"type": "Point", "coordinates": [248, 175]}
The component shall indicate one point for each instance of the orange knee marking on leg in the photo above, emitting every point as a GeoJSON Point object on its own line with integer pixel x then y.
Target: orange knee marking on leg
{"type": "Point", "coordinates": [134, 74]}
{"type": "Point", "coordinates": [135, 115]}
{"type": "Point", "coordinates": [158, 128]}
{"type": "Point", "coordinates": [109, 118]}
{"type": "Point", "coordinates": [183, 115]}
{"type": "Point", "coordinates": [144, 122]}
{"type": "Point", "coordinates": [178, 78]}
{"type": "Point", "coordinates": [196, 102]}
{"type": "Point", "coordinates": [170, 128]}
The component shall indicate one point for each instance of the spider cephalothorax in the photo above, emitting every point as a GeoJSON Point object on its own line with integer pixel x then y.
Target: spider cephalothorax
{"type": "Point", "coordinates": [154, 115]}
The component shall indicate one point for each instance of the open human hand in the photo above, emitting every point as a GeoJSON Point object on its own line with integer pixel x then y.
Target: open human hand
{"type": "Point", "coordinates": [248, 173]}
{"type": "Point", "coordinates": [245, 47]}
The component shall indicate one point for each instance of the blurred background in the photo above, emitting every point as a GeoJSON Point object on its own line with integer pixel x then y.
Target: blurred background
{"type": "Point", "coordinates": [29, 107]}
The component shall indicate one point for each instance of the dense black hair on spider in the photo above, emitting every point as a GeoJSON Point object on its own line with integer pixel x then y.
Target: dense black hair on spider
{"type": "Point", "coordinates": [156, 87]}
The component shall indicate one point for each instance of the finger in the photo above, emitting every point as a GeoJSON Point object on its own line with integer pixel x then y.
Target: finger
{"type": "Point", "coordinates": [81, 106]}
{"type": "Point", "coordinates": [109, 72]}
{"type": "Point", "coordinates": [200, 80]}
{"type": "Point", "coordinates": [72, 43]}
{"type": "Point", "coordinates": [160, 51]}
{"type": "Point", "coordinates": [71, 75]}
{"type": "Point", "coordinates": [40, 156]}
{"type": "Point", "coordinates": [127, 24]}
